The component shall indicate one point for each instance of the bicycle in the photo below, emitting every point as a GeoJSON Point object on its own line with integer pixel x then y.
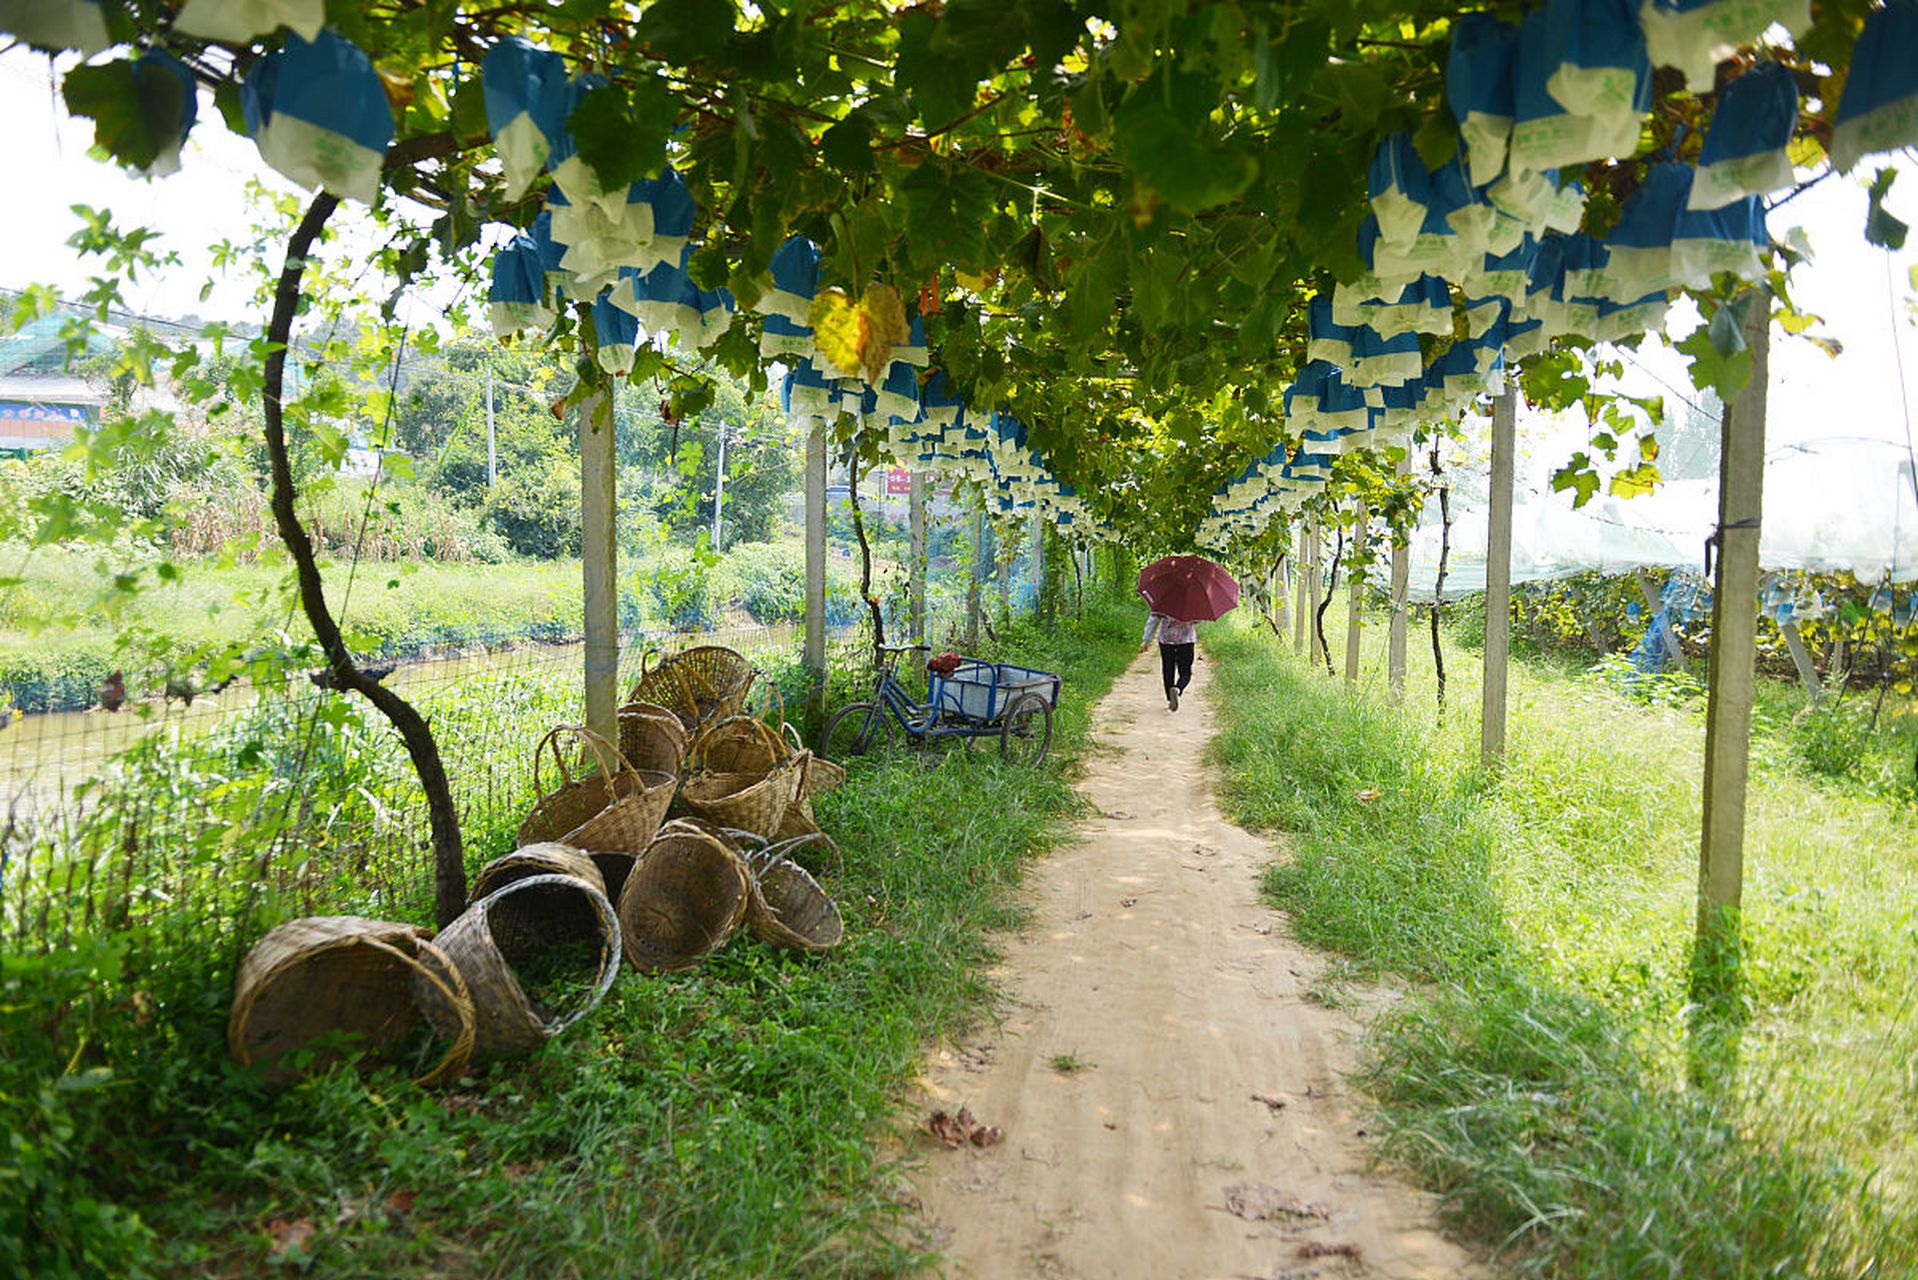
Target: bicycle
{"type": "Point", "coordinates": [977, 700]}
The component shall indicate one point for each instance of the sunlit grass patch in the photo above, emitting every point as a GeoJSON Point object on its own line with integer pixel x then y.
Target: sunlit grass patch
{"type": "Point", "coordinates": [1540, 1076]}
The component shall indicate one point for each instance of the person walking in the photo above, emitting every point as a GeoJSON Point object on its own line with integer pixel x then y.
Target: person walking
{"type": "Point", "coordinates": [1176, 643]}
{"type": "Point", "coordinates": [1181, 592]}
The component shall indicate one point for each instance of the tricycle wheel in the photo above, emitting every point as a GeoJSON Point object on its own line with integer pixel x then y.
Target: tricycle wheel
{"type": "Point", "coordinates": [854, 730]}
{"type": "Point", "coordinates": [1027, 734]}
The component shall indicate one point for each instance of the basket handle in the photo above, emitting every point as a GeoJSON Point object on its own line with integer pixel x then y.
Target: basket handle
{"type": "Point", "coordinates": [456, 996]}
{"type": "Point", "coordinates": [645, 662]}
{"type": "Point", "coordinates": [607, 755]}
{"type": "Point", "coordinates": [787, 847]}
{"type": "Point", "coordinates": [550, 745]}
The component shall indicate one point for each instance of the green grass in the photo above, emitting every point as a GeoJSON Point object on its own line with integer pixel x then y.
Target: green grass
{"type": "Point", "coordinates": [1540, 1076]}
{"type": "Point", "coordinates": [733, 1120]}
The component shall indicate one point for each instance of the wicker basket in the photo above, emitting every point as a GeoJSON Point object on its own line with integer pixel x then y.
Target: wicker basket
{"type": "Point", "coordinates": [548, 858]}
{"type": "Point", "coordinates": [683, 901]}
{"type": "Point", "coordinates": [787, 908]}
{"type": "Point", "coordinates": [749, 803]}
{"type": "Point", "coordinates": [799, 821]}
{"type": "Point", "coordinates": [705, 683]}
{"type": "Point", "coordinates": [306, 978]}
{"type": "Point", "coordinates": [651, 737]}
{"type": "Point", "coordinates": [737, 744]}
{"type": "Point", "coordinates": [617, 809]}
{"type": "Point", "coordinates": [507, 931]}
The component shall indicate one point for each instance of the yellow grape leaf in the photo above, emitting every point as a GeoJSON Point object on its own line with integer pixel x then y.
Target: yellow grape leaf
{"type": "Point", "coordinates": [1805, 152]}
{"type": "Point", "coordinates": [1636, 481]}
{"type": "Point", "coordinates": [857, 338]}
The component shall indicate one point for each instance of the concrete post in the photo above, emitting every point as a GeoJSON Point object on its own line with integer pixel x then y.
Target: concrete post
{"type": "Point", "coordinates": [815, 644]}
{"type": "Point", "coordinates": [916, 558]}
{"type": "Point", "coordinates": [978, 571]}
{"type": "Point", "coordinates": [1721, 854]}
{"type": "Point", "coordinates": [598, 472]}
{"type": "Point", "coordinates": [1356, 599]}
{"type": "Point", "coordinates": [1498, 582]}
{"type": "Point", "coordinates": [1401, 587]}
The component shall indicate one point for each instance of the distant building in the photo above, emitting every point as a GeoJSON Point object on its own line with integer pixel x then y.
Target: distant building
{"type": "Point", "coordinates": [41, 402]}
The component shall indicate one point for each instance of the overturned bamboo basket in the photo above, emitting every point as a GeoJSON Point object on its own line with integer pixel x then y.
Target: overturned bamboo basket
{"type": "Point", "coordinates": [350, 977]}
{"type": "Point", "coordinates": [683, 900]}
{"type": "Point", "coordinates": [546, 858]}
{"type": "Point", "coordinates": [619, 808]}
{"type": "Point", "coordinates": [651, 737]}
{"type": "Point", "coordinates": [747, 802]}
{"type": "Point", "coordinates": [704, 683]}
{"type": "Point", "coordinates": [787, 908]}
{"type": "Point", "coordinates": [508, 933]}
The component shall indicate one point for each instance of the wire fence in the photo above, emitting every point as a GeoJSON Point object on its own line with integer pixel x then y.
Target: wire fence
{"type": "Point", "coordinates": [221, 815]}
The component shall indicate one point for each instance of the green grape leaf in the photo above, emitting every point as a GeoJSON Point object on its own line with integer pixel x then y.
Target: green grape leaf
{"type": "Point", "coordinates": [1171, 153]}
{"type": "Point", "coordinates": [1578, 476]}
{"type": "Point", "coordinates": [1727, 330]}
{"type": "Point", "coordinates": [686, 31]}
{"type": "Point", "coordinates": [135, 109]}
{"type": "Point", "coordinates": [622, 133]}
{"type": "Point", "coordinates": [947, 208]}
{"type": "Point", "coordinates": [847, 146]}
{"type": "Point", "coordinates": [1882, 228]}
{"type": "Point", "coordinates": [1722, 373]}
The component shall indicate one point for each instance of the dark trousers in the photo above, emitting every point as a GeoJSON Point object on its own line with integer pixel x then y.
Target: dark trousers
{"type": "Point", "coordinates": [1176, 660]}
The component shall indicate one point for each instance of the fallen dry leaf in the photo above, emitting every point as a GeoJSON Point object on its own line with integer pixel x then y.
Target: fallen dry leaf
{"type": "Point", "coordinates": [957, 1131]}
{"type": "Point", "coordinates": [1257, 1202]}
{"type": "Point", "coordinates": [1127, 902]}
{"type": "Point", "coordinates": [1329, 1249]}
{"type": "Point", "coordinates": [467, 1102]}
{"type": "Point", "coordinates": [1205, 851]}
{"type": "Point", "coordinates": [1368, 795]}
{"type": "Point", "coordinates": [401, 1202]}
{"type": "Point", "coordinates": [289, 1238]}
{"type": "Point", "coordinates": [1271, 1102]}
{"type": "Point", "coordinates": [1120, 815]}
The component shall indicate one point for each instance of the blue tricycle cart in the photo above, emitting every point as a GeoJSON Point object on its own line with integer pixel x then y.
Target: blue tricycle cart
{"type": "Point", "coordinates": [977, 699]}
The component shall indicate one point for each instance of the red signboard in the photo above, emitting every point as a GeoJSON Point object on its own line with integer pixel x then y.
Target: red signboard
{"type": "Point", "coordinates": [898, 482]}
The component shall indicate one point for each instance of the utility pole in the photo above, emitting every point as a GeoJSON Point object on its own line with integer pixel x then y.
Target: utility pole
{"type": "Point", "coordinates": [492, 448]}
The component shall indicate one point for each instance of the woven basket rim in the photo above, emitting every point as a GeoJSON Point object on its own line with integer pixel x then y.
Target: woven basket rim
{"type": "Point", "coordinates": [609, 963]}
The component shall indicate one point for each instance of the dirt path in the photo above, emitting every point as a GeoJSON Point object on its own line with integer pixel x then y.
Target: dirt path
{"type": "Point", "coordinates": [1172, 1103]}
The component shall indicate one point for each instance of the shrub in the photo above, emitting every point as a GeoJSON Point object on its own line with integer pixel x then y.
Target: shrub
{"type": "Point", "coordinates": [1830, 740]}
{"type": "Point", "coordinates": [766, 579]}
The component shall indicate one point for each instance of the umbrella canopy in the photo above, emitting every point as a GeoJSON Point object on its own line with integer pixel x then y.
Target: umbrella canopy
{"type": "Point", "coordinates": [1188, 588]}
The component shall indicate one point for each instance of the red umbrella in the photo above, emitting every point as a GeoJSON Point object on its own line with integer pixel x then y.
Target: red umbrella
{"type": "Point", "coordinates": [1188, 588]}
